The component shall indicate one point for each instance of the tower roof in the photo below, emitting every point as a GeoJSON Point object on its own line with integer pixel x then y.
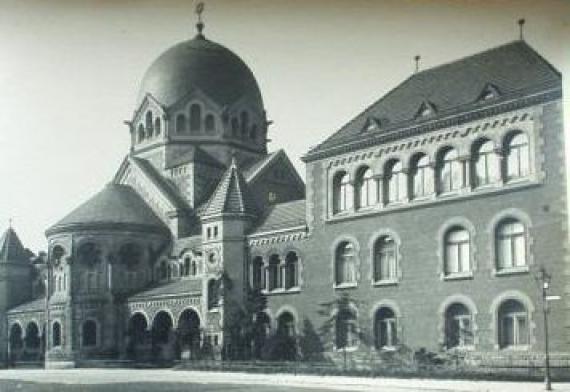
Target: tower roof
{"type": "Point", "coordinates": [11, 248]}
{"type": "Point", "coordinates": [115, 207]}
{"type": "Point", "coordinates": [507, 72]}
{"type": "Point", "coordinates": [231, 195]}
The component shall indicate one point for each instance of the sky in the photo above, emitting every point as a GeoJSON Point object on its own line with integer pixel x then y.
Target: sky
{"type": "Point", "coordinates": [70, 70]}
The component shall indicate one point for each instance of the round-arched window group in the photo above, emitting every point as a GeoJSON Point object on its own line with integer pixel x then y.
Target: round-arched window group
{"type": "Point", "coordinates": [276, 272]}
{"type": "Point", "coordinates": [510, 245]}
{"type": "Point", "coordinates": [486, 166]}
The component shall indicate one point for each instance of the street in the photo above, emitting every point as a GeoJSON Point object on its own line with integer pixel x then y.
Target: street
{"type": "Point", "coordinates": [127, 380]}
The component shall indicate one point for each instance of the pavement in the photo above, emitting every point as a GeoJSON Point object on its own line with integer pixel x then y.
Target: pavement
{"type": "Point", "coordinates": [258, 382]}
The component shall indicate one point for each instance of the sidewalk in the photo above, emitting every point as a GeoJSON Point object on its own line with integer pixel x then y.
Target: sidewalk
{"type": "Point", "coordinates": [103, 376]}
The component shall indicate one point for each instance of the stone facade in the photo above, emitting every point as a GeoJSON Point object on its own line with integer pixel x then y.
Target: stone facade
{"type": "Point", "coordinates": [419, 230]}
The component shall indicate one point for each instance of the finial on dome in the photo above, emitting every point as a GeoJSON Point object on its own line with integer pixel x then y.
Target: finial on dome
{"type": "Point", "coordinates": [200, 25]}
{"type": "Point", "coordinates": [521, 23]}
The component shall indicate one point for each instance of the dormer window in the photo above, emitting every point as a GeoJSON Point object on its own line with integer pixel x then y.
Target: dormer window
{"type": "Point", "coordinates": [426, 109]}
{"type": "Point", "coordinates": [489, 92]}
{"type": "Point", "coordinates": [372, 124]}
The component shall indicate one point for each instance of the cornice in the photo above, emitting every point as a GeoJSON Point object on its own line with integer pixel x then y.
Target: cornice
{"type": "Point", "coordinates": [107, 226]}
{"type": "Point", "coordinates": [403, 131]}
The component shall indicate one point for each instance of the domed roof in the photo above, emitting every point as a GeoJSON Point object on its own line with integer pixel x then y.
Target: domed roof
{"type": "Point", "coordinates": [203, 64]}
{"type": "Point", "coordinates": [115, 207]}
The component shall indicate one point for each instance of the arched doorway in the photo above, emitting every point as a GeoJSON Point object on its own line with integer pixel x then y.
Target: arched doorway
{"type": "Point", "coordinates": [188, 336]}
{"type": "Point", "coordinates": [32, 342]}
{"type": "Point", "coordinates": [385, 329]}
{"type": "Point", "coordinates": [162, 337]}
{"type": "Point", "coordinates": [262, 328]}
{"type": "Point", "coordinates": [16, 342]}
{"type": "Point", "coordinates": [285, 342]}
{"type": "Point", "coordinates": [137, 332]}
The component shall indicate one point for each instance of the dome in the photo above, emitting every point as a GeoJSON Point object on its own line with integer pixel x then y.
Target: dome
{"type": "Point", "coordinates": [200, 64]}
{"type": "Point", "coordinates": [116, 207]}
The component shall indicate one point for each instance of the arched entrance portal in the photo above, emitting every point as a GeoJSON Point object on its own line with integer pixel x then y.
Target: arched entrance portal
{"type": "Point", "coordinates": [138, 347]}
{"type": "Point", "coordinates": [286, 342]}
{"type": "Point", "coordinates": [162, 337]}
{"type": "Point", "coordinates": [16, 342]}
{"type": "Point", "coordinates": [32, 342]}
{"type": "Point", "coordinates": [188, 337]}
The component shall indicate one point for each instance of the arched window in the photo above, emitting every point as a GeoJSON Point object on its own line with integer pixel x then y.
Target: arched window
{"type": "Point", "coordinates": [385, 259]}
{"type": "Point", "coordinates": [394, 182]}
{"type": "Point", "coordinates": [244, 123]}
{"type": "Point", "coordinates": [422, 179]}
{"type": "Point", "coordinates": [56, 334]}
{"type": "Point", "coordinates": [253, 132]}
{"type": "Point", "coordinates": [286, 325]}
{"type": "Point", "coordinates": [345, 263]}
{"type": "Point", "coordinates": [89, 254]}
{"type": "Point", "coordinates": [485, 164]}
{"type": "Point", "coordinates": [291, 270]}
{"type": "Point", "coordinates": [210, 123]}
{"type": "Point", "coordinates": [274, 272]}
{"type": "Point", "coordinates": [195, 118]}
{"type": "Point", "coordinates": [163, 271]}
{"type": "Point", "coordinates": [518, 157]}
{"type": "Point", "coordinates": [510, 244]}
{"type": "Point", "coordinates": [366, 188]}
{"type": "Point", "coordinates": [169, 271]}
{"type": "Point", "coordinates": [342, 193]}
{"type": "Point", "coordinates": [33, 339]}
{"type": "Point", "coordinates": [513, 324]}
{"type": "Point", "coordinates": [89, 333]}
{"type": "Point", "coordinates": [187, 266]}
{"type": "Point", "coordinates": [130, 255]}
{"type": "Point", "coordinates": [346, 330]}
{"type": "Point", "coordinates": [16, 341]}
{"type": "Point", "coordinates": [458, 326]}
{"type": "Point", "coordinates": [148, 123]}
{"type": "Point", "coordinates": [141, 133]}
{"type": "Point", "coordinates": [157, 126]}
{"type": "Point", "coordinates": [449, 171]}
{"type": "Point", "coordinates": [180, 123]}
{"type": "Point", "coordinates": [262, 330]}
{"type": "Point", "coordinates": [258, 274]}
{"type": "Point", "coordinates": [457, 251]}
{"type": "Point", "coordinates": [235, 127]}
{"type": "Point", "coordinates": [213, 294]}
{"type": "Point", "coordinates": [385, 332]}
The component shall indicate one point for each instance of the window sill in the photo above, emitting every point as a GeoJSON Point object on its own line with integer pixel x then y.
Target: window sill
{"type": "Point", "coordinates": [512, 271]}
{"type": "Point", "coordinates": [387, 282]}
{"type": "Point", "coordinates": [522, 347]}
{"type": "Point", "coordinates": [458, 276]}
{"type": "Point", "coordinates": [292, 290]}
{"type": "Point", "coordinates": [461, 349]}
{"type": "Point", "coordinates": [347, 349]}
{"type": "Point", "coordinates": [341, 286]}
{"type": "Point", "coordinates": [214, 310]}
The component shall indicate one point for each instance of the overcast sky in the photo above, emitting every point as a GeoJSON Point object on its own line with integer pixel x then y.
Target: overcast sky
{"type": "Point", "coordinates": [69, 74]}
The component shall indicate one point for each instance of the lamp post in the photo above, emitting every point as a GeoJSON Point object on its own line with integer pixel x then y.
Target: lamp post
{"type": "Point", "coordinates": [544, 279]}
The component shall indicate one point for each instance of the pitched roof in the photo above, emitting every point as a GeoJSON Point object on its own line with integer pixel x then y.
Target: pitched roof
{"type": "Point", "coordinates": [35, 305]}
{"type": "Point", "coordinates": [194, 154]}
{"type": "Point", "coordinates": [251, 171]}
{"type": "Point", "coordinates": [115, 205]}
{"type": "Point", "coordinates": [231, 195]}
{"type": "Point", "coordinates": [184, 286]}
{"type": "Point", "coordinates": [168, 189]}
{"type": "Point", "coordinates": [283, 216]}
{"type": "Point", "coordinates": [11, 248]}
{"type": "Point", "coordinates": [513, 70]}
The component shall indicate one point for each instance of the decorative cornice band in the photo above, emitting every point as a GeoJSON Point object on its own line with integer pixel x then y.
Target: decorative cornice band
{"type": "Point", "coordinates": [107, 226]}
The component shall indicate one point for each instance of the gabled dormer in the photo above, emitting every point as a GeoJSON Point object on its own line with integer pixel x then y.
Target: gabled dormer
{"type": "Point", "coordinates": [427, 109]}
{"type": "Point", "coordinates": [489, 92]}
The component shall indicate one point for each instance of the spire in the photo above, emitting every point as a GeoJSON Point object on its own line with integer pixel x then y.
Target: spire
{"type": "Point", "coordinates": [232, 195]}
{"type": "Point", "coordinates": [200, 25]}
{"type": "Point", "coordinates": [11, 248]}
{"type": "Point", "coordinates": [521, 23]}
